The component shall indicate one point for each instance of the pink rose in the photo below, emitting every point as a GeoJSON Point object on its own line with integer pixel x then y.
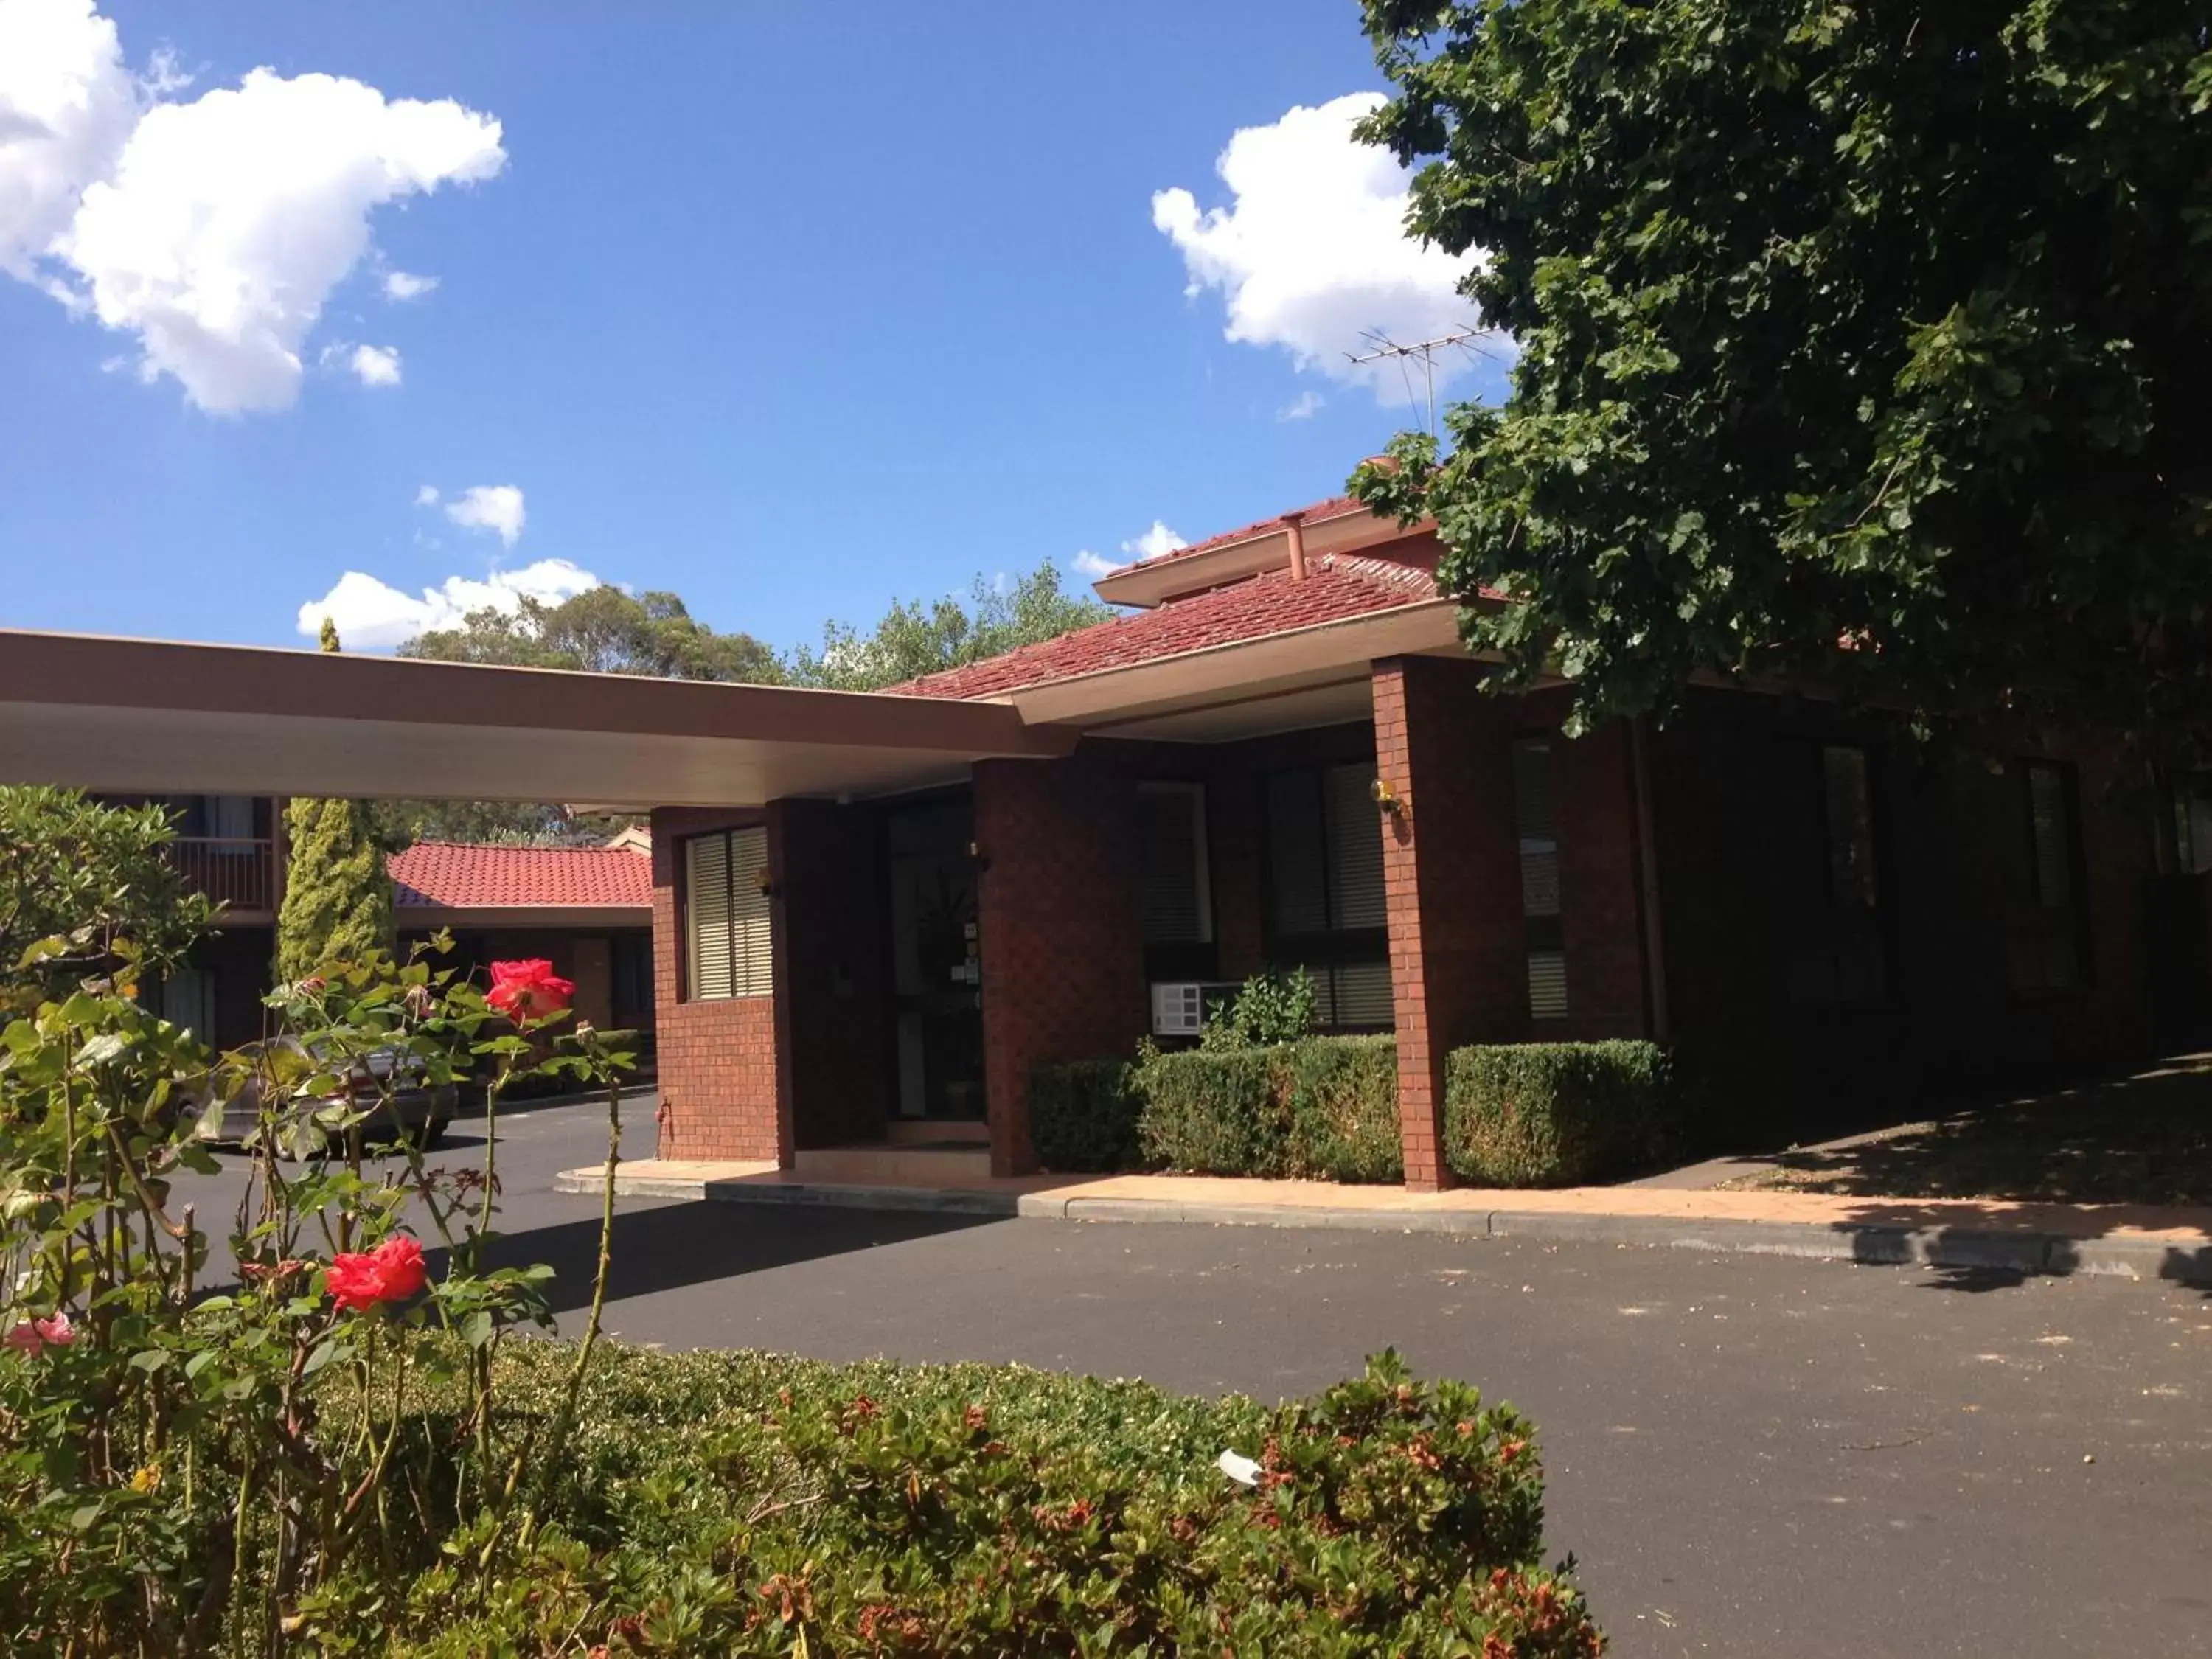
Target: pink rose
{"type": "Point", "coordinates": [528, 990]}
{"type": "Point", "coordinates": [393, 1271]}
{"type": "Point", "coordinates": [32, 1337]}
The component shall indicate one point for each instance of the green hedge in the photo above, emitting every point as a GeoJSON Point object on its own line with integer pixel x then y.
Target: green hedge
{"type": "Point", "coordinates": [1214, 1113]}
{"type": "Point", "coordinates": [1082, 1116]}
{"type": "Point", "coordinates": [1344, 1108]}
{"type": "Point", "coordinates": [747, 1503]}
{"type": "Point", "coordinates": [1322, 1108]}
{"type": "Point", "coordinates": [1559, 1114]}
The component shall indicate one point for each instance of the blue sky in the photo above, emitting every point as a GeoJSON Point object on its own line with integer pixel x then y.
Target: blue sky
{"type": "Point", "coordinates": [793, 321]}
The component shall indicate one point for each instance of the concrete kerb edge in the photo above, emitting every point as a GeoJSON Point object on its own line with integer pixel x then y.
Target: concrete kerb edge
{"type": "Point", "coordinates": [1873, 1243]}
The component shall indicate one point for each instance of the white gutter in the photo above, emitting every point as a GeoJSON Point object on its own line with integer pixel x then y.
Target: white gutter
{"type": "Point", "coordinates": [1148, 584]}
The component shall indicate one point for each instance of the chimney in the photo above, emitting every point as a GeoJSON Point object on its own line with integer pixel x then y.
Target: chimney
{"type": "Point", "coordinates": [1294, 524]}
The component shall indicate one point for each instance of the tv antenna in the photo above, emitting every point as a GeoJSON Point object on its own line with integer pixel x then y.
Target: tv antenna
{"type": "Point", "coordinates": [1381, 346]}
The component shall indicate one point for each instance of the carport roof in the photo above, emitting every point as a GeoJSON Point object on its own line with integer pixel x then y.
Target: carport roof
{"type": "Point", "coordinates": [117, 713]}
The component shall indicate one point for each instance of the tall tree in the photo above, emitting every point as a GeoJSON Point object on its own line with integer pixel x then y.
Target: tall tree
{"type": "Point", "coordinates": [913, 639]}
{"type": "Point", "coordinates": [1858, 340]}
{"type": "Point", "coordinates": [603, 631]}
{"type": "Point", "coordinates": [337, 898]}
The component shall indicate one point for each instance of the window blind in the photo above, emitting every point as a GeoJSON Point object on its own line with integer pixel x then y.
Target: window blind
{"type": "Point", "coordinates": [1326, 904]}
{"type": "Point", "coordinates": [1171, 831]}
{"type": "Point", "coordinates": [729, 933]}
{"type": "Point", "coordinates": [1355, 849]}
{"type": "Point", "coordinates": [2047, 951]}
{"type": "Point", "coordinates": [1535, 821]}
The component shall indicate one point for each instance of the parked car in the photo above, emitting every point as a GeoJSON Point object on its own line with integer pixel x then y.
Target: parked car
{"type": "Point", "coordinates": [392, 1084]}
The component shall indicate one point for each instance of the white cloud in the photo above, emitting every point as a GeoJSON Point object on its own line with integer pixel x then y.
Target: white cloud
{"type": "Point", "coordinates": [1304, 407]}
{"type": "Point", "coordinates": [1154, 542]}
{"type": "Point", "coordinates": [426, 495]}
{"type": "Point", "coordinates": [375, 364]}
{"type": "Point", "coordinates": [67, 106]}
{"type": "Point", "coordinates": [406, 285]}
{"type": "Point", "coordinates": [495, 508]}
{"type": "Point", "coordinates": [370, 613]}
{"type": "Point", "coordinates": [214, 230]}
{"type": "Point", "coordinates": [1092, 566]}
{"type": "Point", "coordinates": [1312, 248]}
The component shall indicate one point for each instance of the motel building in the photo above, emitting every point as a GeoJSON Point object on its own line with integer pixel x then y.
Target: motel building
{"type": "Point", "coordinates": [873, 914]}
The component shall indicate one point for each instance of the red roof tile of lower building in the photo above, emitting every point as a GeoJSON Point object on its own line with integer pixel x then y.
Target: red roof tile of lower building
{"type": "Point", "coordinates": [1334, 589]}
{"type": "Point", "coordinates": [467, 876]}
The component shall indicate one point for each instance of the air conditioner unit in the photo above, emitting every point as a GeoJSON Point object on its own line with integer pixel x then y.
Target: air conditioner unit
{"type": "Point", "coordinates": [1180, 1007]}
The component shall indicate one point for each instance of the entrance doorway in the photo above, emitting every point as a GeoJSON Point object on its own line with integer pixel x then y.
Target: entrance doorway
{"type": "Point", "coordinates": [936, 961]}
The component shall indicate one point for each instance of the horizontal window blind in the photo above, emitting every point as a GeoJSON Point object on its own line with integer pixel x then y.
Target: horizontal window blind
{"type": "Point", "coordinates": [1298, 858]}
{"type": "Point", "coordinates": [729, 938]}
{"type": "Point", "coordinates": [1355, 849]}
{"type": "Point", "coordinates": [1538, 828]}
{"type": "Point", "coordinates": [2045, 947]}
{"type": "Point", "coordinates": [1171, 832]}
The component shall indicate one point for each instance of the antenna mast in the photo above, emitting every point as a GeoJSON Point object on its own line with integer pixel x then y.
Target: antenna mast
{"type": "Point", "coordinates": [1425, 352]}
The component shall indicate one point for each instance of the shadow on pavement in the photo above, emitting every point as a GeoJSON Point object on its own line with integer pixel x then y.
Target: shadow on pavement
{"type": "Point", "coordinates": [672, 1246]}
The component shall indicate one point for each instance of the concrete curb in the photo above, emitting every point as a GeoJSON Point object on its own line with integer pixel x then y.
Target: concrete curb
{"type": "Point", "coordinates": [1870, 1243]}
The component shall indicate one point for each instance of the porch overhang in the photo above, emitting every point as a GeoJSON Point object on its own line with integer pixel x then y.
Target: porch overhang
{"type": "Point", "coordinates": [1281, 681]}
{"type": "Point", "coordinates": [98, 713]}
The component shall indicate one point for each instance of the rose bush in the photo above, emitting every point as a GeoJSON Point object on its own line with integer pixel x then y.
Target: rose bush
{"type": "Point", "coordinates": [198, 1434]}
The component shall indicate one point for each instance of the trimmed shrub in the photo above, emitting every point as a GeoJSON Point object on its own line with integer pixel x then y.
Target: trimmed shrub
{"type": "Point", "coordinates": [1082, 1116]}
{"type": "Point", "coordinates": [1323, 1108]}
{"type": "Point", "coordinates": [1212, 1113]}
{"type": "Point", "coordinates": [747, 1503]}
{"type": "Point", "coordinates": [1559, 1114]}
{"type": "Point", "coordinates": [1344, 1107]}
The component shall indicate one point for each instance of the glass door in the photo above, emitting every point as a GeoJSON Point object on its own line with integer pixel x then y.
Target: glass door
{"type": "Point", "coordinates": [936, 962]}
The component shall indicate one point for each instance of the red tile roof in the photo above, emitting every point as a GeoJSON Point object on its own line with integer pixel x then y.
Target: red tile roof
{"type": "Point", "coordinates": [463, 876]}
{"type": "Point", "coordinates": [1336, 506]}
{"type": "Point", "coordinates": [1336, 587]}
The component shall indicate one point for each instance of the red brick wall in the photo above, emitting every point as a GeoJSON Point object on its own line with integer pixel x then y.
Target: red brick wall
{"type": "Point", "coordinates": [832, 981]}
{"type": "Point", "coordinates": [718, 1067]}
{"type": "Point", "coordinates": [1452, 878]}
{"type": "Point", "coordinates": [1059, 914]}
{"type": "Point", "coordinates": [1722, 795]}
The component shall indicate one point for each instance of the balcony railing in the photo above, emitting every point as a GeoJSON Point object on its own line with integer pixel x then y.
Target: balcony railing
{"type": "Point", "coordinates": [236, 871]}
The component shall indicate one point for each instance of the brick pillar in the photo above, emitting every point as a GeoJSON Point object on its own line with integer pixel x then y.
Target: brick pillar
{"type": "Point", "coordinates": [1060, 915]}
{"type": "Point", "coordinates": [1451, 880]}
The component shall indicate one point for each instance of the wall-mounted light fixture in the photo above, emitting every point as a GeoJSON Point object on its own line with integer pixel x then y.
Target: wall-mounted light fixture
{"type": "Point", "coordinates": [1386, 798]}
{"type": "Point", "coordinates": [978, 856]}
{"type": "Point", "coordinates": [764, 879]}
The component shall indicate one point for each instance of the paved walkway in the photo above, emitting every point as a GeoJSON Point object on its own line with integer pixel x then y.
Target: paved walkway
{"type": "Point", "coordinates": [2132, 1241]}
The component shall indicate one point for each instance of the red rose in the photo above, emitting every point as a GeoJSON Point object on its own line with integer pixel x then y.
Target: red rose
{"type": "Point", "coordinates": [391, 1272]}
{"type": "Point", "coordinates": [528, 990]}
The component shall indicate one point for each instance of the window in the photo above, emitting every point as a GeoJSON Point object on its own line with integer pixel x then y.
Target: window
{"type": "Point", "coordinates": [1325, 903]}
{"type": "Point", "coordinates": [726, 915]}
{"type": "Point", "coordinates": [1538, 826]}
{"type": "Point", "coordinates": [2046, 939]}
{"type": "Point", "coordinates": [186, 998]}
{"type": "Point", "coordinates": [1178, 906]}
{"type": "Point", "coordinates": [1841, 956]}
{"type": "Point", "coordinates": [2193, 833]}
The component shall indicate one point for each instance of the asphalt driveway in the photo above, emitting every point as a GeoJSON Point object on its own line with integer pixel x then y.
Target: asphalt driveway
{"type": "Point", "coordinates": [1748, 1455]}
